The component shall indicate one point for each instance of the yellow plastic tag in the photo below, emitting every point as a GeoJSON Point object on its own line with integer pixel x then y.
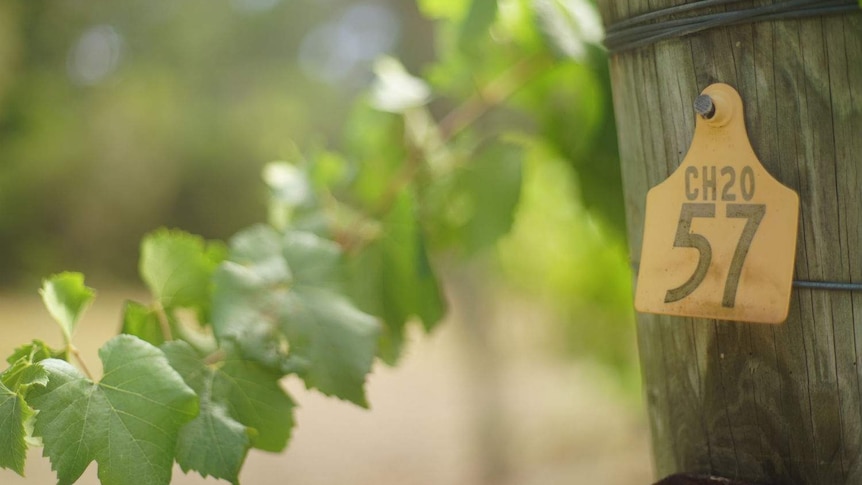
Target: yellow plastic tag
{"type": "Point", "coordinates": [720, 232]}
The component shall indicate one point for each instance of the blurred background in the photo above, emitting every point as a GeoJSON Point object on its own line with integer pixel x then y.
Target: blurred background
{"type": "Point", "coordinates": [119, 117]}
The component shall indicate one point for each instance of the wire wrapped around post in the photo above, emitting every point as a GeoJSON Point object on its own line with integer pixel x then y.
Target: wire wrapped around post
{"type": "Point", "coordinates": [645, 29]}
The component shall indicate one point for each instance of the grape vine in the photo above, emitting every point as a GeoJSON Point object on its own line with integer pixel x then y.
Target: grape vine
{"type": "Point", "coordinates": [330, 282]}
{"type": "Point", "coordinates": [202, 361]}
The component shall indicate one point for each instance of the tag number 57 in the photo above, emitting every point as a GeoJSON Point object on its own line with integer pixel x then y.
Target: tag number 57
{"type": "Point", "coordinates": [753, 213]}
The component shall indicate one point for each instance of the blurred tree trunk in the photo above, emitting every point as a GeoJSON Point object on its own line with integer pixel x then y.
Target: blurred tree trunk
{"type": "Point", "coordinates": [759, 403]}
{"type": "Point", "coordinates": [473, 300]}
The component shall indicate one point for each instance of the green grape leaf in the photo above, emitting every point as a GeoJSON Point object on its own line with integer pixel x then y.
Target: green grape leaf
{"type": "Point", "coordinates": [254, 397]}
{"type": "Point", "coordinates": [337, 339]}
{"type": "Point", "coordinates": [368, 139]}
{"type": "Point", "coordinates": [284, 289]}
{"type": "Point", "coordinates": [15, 414]}
{"type": "Point", "coordinates": [177, 268]}
{"type": "Point", "coordinates": [66, 298]}
{"type": "Point", "coordinates": [248, 392]}
{"type": "Point", "coordinates": [476, 205]}
{"type": "Point", "coordinates": [35, 351]}
{"type": "Point", "coordinates": [475, 27]}
{"type": "Point", "coordinates": [23, 374]}
{"type": "Point", "coordinates": [492, 182]}
{"type": "Point", "coordinates": [142, 322]}
{"type": "Point", "coordinates": [314, 261]}
{"type": "Point", "coordinates": [213, 444]}
{"type": "Point", "coordinates": [127, 422]}
{"type": "Point", "coordinates": [393, 278]}
{"type": "Point", "coordinates": [227, 440]}
{"type": "Point", "coordinates": [259, 249]}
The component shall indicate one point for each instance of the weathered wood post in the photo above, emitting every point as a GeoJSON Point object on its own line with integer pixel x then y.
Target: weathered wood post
{"type": "Point", "coordinates": [771, 404]}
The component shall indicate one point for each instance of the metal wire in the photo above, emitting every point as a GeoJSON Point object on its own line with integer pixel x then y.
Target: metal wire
{"type": "Point", "coordinates": [827, 285]}
{"type": "Point", "coordinates": [804, 284]}
{"type": "Point", "coordinates": [645, 29]}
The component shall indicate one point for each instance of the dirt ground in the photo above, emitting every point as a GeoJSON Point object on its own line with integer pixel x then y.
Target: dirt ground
{"type": "Point", "coordinates": [435, 420]}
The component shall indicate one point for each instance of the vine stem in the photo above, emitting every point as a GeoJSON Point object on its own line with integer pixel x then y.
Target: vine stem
{"type": "Point", "coordinates": [77, 354]}
{"type": "Point", "coordinates": [163, 321]}
{"type": "Point", "coordinates": [492, 94]}
{"type": "Point", "coordinates": [215, 357]}
{"type": "Point", "coordinates": [460, 118]}
{"type": "Point", "coordinates": [351, 240]}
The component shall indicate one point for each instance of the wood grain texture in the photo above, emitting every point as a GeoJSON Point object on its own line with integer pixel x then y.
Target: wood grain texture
{"type": "Point", "coordinates": [757, 403]}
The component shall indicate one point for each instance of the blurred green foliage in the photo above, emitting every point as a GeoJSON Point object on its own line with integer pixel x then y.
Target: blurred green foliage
{"type": "Point", "coordinates": [120, 117]}
{"type": "Point", "coordinates": [488, 132]}
{"type": "Point", "coordinates": [520, 162]}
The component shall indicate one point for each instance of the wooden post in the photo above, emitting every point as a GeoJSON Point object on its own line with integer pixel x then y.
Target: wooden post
{"type": "Point", "coordinates": [771, 404]}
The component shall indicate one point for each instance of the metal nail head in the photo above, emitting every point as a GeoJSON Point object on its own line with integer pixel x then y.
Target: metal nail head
{"type": "Point", "coordinates": [704, 106]}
